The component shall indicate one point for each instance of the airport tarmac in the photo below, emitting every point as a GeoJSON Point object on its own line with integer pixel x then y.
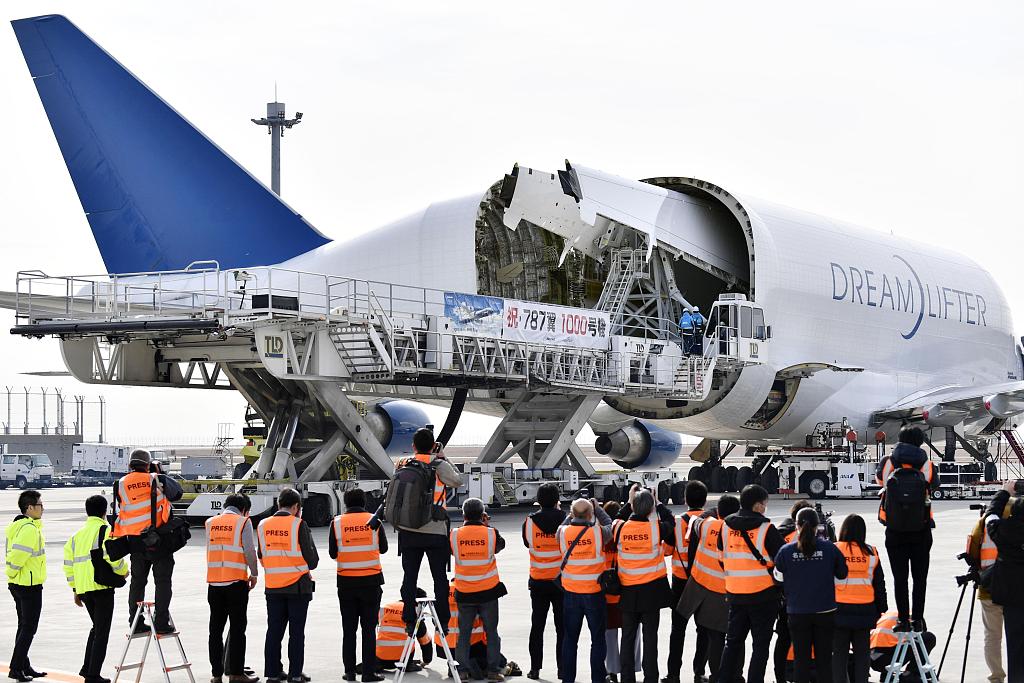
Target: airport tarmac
{"type": "Point", "coordinates": [60, 642]}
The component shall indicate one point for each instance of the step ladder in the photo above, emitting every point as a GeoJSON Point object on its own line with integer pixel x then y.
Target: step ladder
{"type": "Point", "coordinates": [627, 266]}
{"type": "Point", "coordinates": [426, 612]}
{"type": "Point", "coordinates": [910, 643]}
{"type": "Point", "coordinates": [503, 490]}
{"type": "Point", "coordinates": [146, 611]}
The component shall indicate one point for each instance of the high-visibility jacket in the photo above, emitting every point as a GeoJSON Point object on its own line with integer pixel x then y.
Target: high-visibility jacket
{"type": "Point", "coordinates": [134, 499]}
{"type": "Point", "coordinates": [358, 545]}
{"type": "Point", "coordinates": [476, 636]}
{"type": "Point", "coordinates": [473, 558]}
{"type": "Point", "coordinates": [587, 560]}
{"type": "Point", "coordinates": [707, 563]}
{"type": "Point", "coordinates": [439, 489]}
{"type": "Point", "coordinates": [682, 546]}
{"type": "Point", "coordinates": [639, 552]}
{"type": "Point", "coordinates": [26, 552]}
{"type": "Point", "coordinates": [791, 536]}
{"type": "Point", "coordinates": [545, 556]}
{"type": "Point", "coordinates": [882, 635]}
{"type": "Point", "coordinates": [283, 563]}
{"type": "Point", "coordinates": [744, 575]}
{"type": "Point", "coordinates": [858, 586]}
{"type": "Point", "coordinates": [928, 470]}
{"type": "Point", "coordinates": [391, 635]}
{"type": "Point", "coordinates": [791, 654]}
{"type": "Point", "coordinates": [225, 556]}
{"type": "Point", "coordinates": [78, 567]}
{"type": "Point", "coordinates": [989, 553]}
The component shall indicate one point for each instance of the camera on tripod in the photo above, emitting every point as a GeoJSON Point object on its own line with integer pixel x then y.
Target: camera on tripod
{"type": "Point", "coordinates": [971, 575]}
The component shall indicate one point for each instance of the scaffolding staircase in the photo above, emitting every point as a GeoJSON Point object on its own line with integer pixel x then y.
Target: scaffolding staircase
{"type": "Point", "coordinates": [1013, 441]}
{"type": "Point", "coordinates": [627, 266]}
{"type": "Point", "coordinates": [503, 490]}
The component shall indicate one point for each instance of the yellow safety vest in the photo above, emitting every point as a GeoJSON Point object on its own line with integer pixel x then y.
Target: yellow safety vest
{"type": "Point", "coordinates": [26, 552]}
{"type": "Point", "coordinates": [78, 567]}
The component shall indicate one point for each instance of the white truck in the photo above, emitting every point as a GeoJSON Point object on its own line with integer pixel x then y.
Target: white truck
{"type": "Point", "coordinates": [101, 461]}
{"type": "Point", "coordinates": [24, 470]}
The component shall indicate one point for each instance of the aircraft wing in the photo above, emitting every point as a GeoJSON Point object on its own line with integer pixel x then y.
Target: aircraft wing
{"type": "Point", "coordinates": [955, 403]}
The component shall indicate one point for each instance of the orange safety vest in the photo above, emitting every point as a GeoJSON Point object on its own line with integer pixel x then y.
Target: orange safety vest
{"type": "Point", "coordinates": [282, 559]}
{"type": "Point", "coordinates": [858, 586]}
{"type": "Point", "coordinates": [476, 636]}
{"type": "Point", "coordinates": [887, 469]}
{"type": "Point", "coordinates": [707, 563]}
{"type": "Point", "coordinates": [358, 545]}
{"type": "Point", "coordinates": [989, 553]}
{"type": "Point", "coordinates": [545, 557]}
{"type": "Point", "coordinates": [225, 557]}
{"type": "Point", "coordinates": [791, 536]}
{"type": "Point", "coordinates": [882, 635]}
{"type": "Point", "coordinates": [134, 499]}
{"type": "Point", "coordinates": [791, 654]}
{"type": "Point", "coordinates": [587, 560]}
{"type": "Point", "coordinates": [391, 635]}
{"type": "Point", "coordinates": [682, 547]}
{"type": "Point", "coordinates": [473, 560]}
{"type": "Point", "coordinates": [744, 575]}
{"type": "Point", "coordinates": [640, 555]}
{"type": "Point", "coordinates": [440, 495]}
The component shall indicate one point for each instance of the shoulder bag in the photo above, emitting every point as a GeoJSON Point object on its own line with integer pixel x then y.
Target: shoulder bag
{"type": "Point", "coordinates": [102, 572]}
{"type": "Point", "coordinates": [565, 560]}
{"type": "Point", "coordinates": [609, 579]}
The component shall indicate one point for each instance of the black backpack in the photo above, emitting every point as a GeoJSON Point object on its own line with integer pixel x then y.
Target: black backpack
{"type": "Point", "coordinates": [410, 498]}
{"type": "Point", "coordinates": [907, 504]}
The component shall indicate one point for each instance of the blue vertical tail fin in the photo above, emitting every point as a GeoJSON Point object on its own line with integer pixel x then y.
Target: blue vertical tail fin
{"type": "Point", "coordinates": [158, 193]}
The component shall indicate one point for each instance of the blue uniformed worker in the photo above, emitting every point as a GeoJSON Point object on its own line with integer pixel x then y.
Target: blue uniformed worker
{"type": "Point", "coordinates": [686, 326]}
{"type": "Point", "coordinates": [698, 330]}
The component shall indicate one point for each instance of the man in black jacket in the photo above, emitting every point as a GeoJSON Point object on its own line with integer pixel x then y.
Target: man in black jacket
{"type": "Point", "coordinates": [908, 551]}
{"type": "Point", "coordinates": [1007, 574]}
{"type": "Point", "coordinates": [752, 613]}
{"type": "Point", "coordinates": [540, 535]}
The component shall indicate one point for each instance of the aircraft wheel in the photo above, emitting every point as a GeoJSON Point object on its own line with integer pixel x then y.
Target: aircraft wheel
{"type": "Point", "coordinates": [744, 476]}
{"type": "Point", "coordinates": [718, 480]}
{"type": "Point", "coordinates": [770, 480]}
{"type": "Point", "coordinates": [664, 491]}
{"type": "Point", "coordinates": [679, 493]}
{"type": "Point", "coordinates": [730, 472]}
{"type": "Point", "coordinates": [698, 473]}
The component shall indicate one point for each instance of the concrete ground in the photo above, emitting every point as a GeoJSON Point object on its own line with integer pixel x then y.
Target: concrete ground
{"type": "Point", "coordinates": [60, 642]}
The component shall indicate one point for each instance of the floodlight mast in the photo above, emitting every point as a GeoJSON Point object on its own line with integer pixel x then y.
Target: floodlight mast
{"type": "Point", "coordinates": [276, 123]}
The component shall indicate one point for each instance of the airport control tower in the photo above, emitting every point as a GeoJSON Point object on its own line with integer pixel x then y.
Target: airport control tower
{"type": "Point", "coordinates": [276, 122]}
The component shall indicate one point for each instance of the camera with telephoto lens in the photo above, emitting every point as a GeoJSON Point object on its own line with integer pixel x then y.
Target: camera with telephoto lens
{"type": "Point", "coordinates": [971, 575]}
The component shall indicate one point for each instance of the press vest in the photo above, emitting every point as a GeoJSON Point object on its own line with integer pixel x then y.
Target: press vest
{"type": "Point", "coordinates": [391, 635]}
{"type": "Point", "coordinates": [78, 558]}
{"type": "Point", "coordinates": [476, 636]}
{"type": "Point", "coordinates": [358, 545]}
{"type": "Point", "coordinates": [26, 552]}
{"type": "Point", "coordinates": [682, 547]}
{"type": "Point", "coordinates": [545, 557]}
{"type": "Point", "coordinates": [639, 553]}
{"type": "Point", "coordinates": [858, 586]}
{"type": "Point", "coordinates": [882, 635]}
{"type": "Point", "coordinates": [225, 557]}
{"type": "Point", "coordinates": [473, 559]}
{"type": "Point", "coordinates": [744, 575]}
{"type": "Point", "coordinates": [587, 560]}
{"type": "Point", "coordinates": [282, 558]}
{"type": "Point", "coordinates": [989, 553]}
{"type": "Point", "coordinates": [707, 564]}
{"type": "Point", "coordinates": [134, 498]}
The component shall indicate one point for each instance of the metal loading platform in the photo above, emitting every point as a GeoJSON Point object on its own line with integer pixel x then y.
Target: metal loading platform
{"type": "Point", "coordinates": [300, 345]}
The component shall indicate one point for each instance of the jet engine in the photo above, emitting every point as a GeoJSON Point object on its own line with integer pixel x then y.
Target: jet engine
{"type": "Point", "coordinates": [640, 445]}
{"type": "Point", "coordinates": [394, 422]}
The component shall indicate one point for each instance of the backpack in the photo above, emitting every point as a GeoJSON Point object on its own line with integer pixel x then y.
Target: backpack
{"type": "Point", "coordinates": [907, 503]}
{"type": "Point", "coordinates": [409, 501]}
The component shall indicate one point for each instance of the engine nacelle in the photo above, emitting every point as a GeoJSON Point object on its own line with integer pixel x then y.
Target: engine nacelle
{"type": "Point", "coordinates": [640, 445]}
{"type": "Point", "coordinates": [1000, 405]}
{"type": "Point", "coordinates": [394, 422]}
{"type": "Point", "coordinates": [943, 416]}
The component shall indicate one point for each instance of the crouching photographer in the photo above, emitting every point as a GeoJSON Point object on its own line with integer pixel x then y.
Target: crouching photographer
{"type": "Point", "coordinates": [1004, 578]}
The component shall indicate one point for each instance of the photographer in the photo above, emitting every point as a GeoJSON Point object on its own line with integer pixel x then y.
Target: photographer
{"type": "Point", "coordinates": [982, 554]}
{"type": "Point", "coordinates": [1007, 574]}
{"type": "Point", "coordinates": [143, 495]}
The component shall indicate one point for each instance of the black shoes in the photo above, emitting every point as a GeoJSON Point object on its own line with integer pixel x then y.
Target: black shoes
{"type": "Point", "coordinates": [35, 674]}
{"type": "Point", "coordinates": [902, 626]}
{"type": "Point", "coordinates": [141, 628]}
{"type": "Point", "coordinates": [350, 676]}
{"type": "Point", "coordinates": [533, 675]}
{"type": "Point", "coordinates": [917, 625]}
{"type": "Point", "coordinates": [373, 678]}
{"type": "Point", "coordinates": [670, 679]}
{"type": "Point", "coordinates": [165, 630]}
{"type": "Point", "coordinates": [19, 676]}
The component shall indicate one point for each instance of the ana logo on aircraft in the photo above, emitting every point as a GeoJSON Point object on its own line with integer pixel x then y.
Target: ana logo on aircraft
{"type": "Point", "coordinates": [906, 293]}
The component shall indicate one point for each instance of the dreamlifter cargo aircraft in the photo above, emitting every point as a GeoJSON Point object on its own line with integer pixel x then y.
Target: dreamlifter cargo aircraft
{"type": "Point", "coordinates": [857, 323]}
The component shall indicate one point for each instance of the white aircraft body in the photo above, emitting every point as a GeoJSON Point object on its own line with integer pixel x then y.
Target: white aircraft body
{"type": "Point", "coordinates": [863, 325]}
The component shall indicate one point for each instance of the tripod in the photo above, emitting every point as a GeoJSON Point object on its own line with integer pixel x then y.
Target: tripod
{"type": "Point", "coordinates": [963, 581]}
{"type": "Point", "coordinates": [425, 612]}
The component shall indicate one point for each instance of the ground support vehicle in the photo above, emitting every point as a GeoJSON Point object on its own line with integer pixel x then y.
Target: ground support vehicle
{"type": "Point", "coordinates": [24, 470]}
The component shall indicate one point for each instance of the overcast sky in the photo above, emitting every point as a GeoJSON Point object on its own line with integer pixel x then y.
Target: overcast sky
{"type": "Point", "coordinates": [900, 116]}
